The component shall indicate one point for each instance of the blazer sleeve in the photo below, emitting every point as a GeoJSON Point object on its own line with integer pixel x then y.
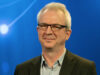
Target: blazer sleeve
{"type": "Point", "coordinates": [21, 71]}
{"type": "Point", "coordinates": [93, 69]}
{"type": "Point", "coordinates": [88, 68]}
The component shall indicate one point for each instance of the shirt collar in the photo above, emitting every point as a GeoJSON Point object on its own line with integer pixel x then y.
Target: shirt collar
{"type": "Point", "coordinates": [59, 61]}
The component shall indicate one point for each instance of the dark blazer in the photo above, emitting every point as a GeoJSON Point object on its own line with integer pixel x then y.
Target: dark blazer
{"type": "Point", "coordinates": [72, 65]}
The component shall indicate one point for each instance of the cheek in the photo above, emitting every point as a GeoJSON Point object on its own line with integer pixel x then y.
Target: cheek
{"type": "Point", "coordinates": [62, 36]}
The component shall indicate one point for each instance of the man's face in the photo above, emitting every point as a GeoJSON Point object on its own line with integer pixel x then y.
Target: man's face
{"type": "Point", "coordinates": [50, 38]}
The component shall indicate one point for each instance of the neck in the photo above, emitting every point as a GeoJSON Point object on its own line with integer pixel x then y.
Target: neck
{"type": "Point", "coordinates": [52, 55]}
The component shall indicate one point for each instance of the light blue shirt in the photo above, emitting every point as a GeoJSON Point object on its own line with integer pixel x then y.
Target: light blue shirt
{"type": "Point", "coordinates": [46, 70]}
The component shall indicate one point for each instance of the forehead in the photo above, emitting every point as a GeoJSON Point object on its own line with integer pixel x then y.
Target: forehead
{"type": "Point", "coordinates": [52, 16]}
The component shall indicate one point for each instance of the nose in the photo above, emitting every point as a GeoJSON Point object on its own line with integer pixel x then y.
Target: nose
{"type": "Point", "coordinates": [49, 30]}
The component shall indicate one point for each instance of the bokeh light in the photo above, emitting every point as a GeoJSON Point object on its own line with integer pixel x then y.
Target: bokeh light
{"type": "Point", "coordinates": [4, 29]}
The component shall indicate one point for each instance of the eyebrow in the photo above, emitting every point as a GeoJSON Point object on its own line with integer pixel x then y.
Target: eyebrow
{"type": "Point", "coordinates": [52, 24]}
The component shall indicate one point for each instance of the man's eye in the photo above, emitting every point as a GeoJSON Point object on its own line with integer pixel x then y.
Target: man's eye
{"type": "Point", "coordinates": [55, 26]}
{"type": "Point", "coordinates": [43, 26]}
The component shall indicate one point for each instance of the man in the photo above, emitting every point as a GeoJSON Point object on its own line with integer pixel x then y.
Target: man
{"type": "Point", "coordinates": [54, 28]}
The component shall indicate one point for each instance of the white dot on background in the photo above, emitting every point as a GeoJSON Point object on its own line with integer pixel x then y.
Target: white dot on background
{"type": "Point", "coordinates": [4, 29]}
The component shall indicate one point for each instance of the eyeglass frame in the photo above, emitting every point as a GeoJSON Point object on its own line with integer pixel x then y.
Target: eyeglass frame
{"type": "Point", "coordinates": [51, 26]}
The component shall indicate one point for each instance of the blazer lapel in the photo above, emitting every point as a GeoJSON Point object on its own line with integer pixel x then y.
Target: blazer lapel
{"type": "Point", "coordinates": [35, 68]}
{"type": "Point", "coordinates": [68, 64]}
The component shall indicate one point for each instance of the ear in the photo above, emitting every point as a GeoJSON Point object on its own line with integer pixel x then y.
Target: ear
{"type": "Point", "coordinates": [68, 33]}
{"type": "Point", "coordinates": [37, 28]}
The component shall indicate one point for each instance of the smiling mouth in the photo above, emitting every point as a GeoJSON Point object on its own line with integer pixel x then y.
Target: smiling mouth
{"type": "Point", "coordinates": [48, 38]}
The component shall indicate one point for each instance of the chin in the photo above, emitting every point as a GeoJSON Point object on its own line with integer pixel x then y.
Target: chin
{"type": "Point", "coordinates": [48, 45]}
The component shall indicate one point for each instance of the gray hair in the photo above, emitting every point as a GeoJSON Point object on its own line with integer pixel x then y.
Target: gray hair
{"type": "Point", "coordinates": [57, 6]}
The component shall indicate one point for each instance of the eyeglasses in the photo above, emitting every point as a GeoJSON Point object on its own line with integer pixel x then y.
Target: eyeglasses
{"type": "Point", "coordinates": [54, 27]}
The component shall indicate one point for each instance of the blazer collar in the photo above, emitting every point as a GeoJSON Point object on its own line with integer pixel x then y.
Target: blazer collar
{"type": "Point", "coordinates": [68, 64]}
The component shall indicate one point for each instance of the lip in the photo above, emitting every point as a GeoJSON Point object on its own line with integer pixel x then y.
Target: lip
{"type": "Point", "coordinates": [48, 38]}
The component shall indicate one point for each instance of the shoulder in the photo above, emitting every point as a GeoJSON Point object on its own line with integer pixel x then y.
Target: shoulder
{"type": "Point", "coordinates": [80, 60]}
{"type": "Point", "coordinates": [26, 67]}
{"type": "Point", "coordinates": [29, 63]}
{"type": "Point", "coordinates": [82, 64]}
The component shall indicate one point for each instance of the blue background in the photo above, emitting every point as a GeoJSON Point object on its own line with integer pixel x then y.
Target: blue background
{"type": "Point", "coordinates": [21, 42]}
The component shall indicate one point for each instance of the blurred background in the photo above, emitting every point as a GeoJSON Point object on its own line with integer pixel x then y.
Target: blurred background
{"type": "Point", "coordinates": [18, 35]}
